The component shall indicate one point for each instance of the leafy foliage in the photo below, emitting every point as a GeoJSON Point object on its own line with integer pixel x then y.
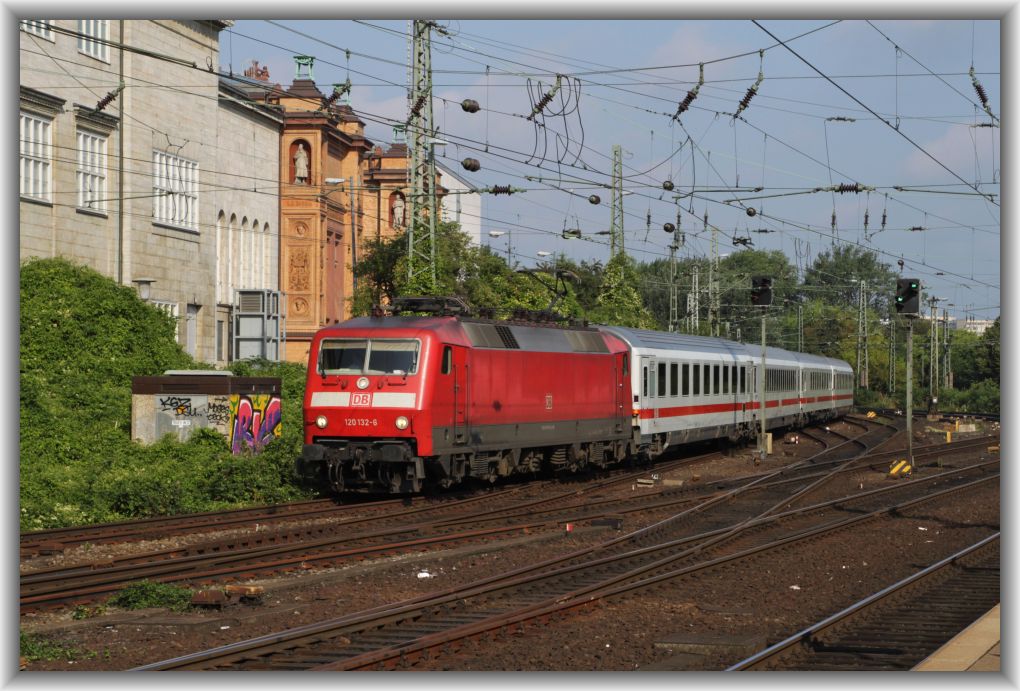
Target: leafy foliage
{"type": "Point", "coordinates": [145, 594]}
{"type": "Point", "coordinates": [83, 338]}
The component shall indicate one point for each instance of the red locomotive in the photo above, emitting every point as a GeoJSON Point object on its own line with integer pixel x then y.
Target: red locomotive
{"type": "Point", "coordinates": [392, 402]}
{"type": "Point", "coordinates": [395, 402]}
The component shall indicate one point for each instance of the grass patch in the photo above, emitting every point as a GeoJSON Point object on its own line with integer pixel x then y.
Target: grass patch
{"type": "Point", "coordinates": [145, 594]}
{"type": "Point", "coordinates": [35, 647]}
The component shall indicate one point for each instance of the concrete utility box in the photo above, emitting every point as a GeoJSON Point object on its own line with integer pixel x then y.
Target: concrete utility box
{"type": "Point", "coordinates": [246, 410]}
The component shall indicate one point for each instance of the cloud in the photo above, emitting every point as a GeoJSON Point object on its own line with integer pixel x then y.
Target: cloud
{"type": "Point", "coordinates": [954, 149]}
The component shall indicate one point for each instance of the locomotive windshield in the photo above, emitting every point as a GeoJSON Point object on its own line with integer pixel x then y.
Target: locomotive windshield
{"type": "Point", "coordinates": [368, 356]}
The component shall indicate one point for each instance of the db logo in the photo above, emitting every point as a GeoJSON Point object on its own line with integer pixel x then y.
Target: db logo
{"type": "Point", "coordinates": [362, 399]}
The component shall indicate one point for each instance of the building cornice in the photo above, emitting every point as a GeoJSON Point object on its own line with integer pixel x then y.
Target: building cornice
{"type": "Point", "coordinates": [95, 119]}
{"type": "Point", "coordinates": [40, 102]}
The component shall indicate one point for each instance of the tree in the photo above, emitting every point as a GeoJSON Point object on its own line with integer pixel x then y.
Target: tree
{"type": "Point", "coordinates": [619, 302]}
{"type": "Point", "coordinates": [835, 277]}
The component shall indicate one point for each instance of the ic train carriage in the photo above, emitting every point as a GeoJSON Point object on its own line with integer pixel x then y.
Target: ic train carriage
{"type": "Point", "coordinates": [395, 402]}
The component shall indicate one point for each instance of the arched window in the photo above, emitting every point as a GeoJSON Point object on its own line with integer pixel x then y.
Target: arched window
{"type": "Point", "coordinates": [267, 268]}
{"type": "Point", "coordinates": [244, 254]}
{"type": "Point", "coordinates": [255, 261]}
{"type": "Point", "coordinates": [222, 263]}
{"type": "Point", "coordinates": [232, 258]}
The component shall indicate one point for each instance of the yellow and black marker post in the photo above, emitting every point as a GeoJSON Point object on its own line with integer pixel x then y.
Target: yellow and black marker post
{"type": "Point", "coordinates": [899, 469]}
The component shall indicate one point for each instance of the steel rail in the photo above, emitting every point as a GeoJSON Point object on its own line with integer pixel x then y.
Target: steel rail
{"type": "Point", "coordinates": [421, 606]}
{"type": "Point", "coordinates": [807, 637]}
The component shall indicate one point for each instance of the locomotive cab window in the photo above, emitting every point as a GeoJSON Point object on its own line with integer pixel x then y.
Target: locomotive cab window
{"type": "Point", "coordinates": [368, 356]}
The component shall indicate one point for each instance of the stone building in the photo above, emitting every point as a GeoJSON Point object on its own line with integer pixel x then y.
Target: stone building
{"type": "Point", "coordinates": [171, 185]}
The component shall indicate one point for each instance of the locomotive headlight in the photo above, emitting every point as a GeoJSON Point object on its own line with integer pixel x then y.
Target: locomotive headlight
{"type": "Point", "coordinates": [320, 422]}
{"type": "Point", "coordinates": [362, 382]}
{"type": "Point", "coordinates": [402, 422]}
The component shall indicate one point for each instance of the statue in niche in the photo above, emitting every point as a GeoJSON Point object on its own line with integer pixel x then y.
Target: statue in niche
{"type": "Point", "coordinates": [398, 212]}
{"type": "Point", "coordinates": [300, 165]}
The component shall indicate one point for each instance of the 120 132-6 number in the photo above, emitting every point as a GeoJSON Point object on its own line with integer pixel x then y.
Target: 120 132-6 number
{"type": "Point", "coordinates": [361, 422]}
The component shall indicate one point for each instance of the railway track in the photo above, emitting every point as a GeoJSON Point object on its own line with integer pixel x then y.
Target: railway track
{"type": "Point", "coordinates": [896, 628]}
{"type": "Point", "coordinates": [389, 635]}
{"type": "Point", "coordinates": [323, 546]}
{"type": "Point", "coordinates": [254, 553]}
{"type": "Point", "coordinates": [59, 539]}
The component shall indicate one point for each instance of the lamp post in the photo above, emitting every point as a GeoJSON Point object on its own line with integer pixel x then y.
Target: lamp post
{"type": "Point", "coordinates": [509, 238]}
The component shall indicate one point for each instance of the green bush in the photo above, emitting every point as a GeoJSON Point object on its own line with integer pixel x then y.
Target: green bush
{"type": "Point", "coordinates": [83, 337]}
{"type": "Point", "coordinates": [145, 594]}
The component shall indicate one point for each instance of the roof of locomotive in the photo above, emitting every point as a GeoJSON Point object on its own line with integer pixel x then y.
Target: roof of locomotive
{"type": "Point", "coordinates": [490, 334]}
{"type": "Point", "coordinates": [663, 340]}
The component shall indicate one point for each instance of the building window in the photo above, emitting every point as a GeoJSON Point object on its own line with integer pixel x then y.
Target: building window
{"type": "Point", "coordinates": [36, 139]}
{"type": "Point", "coordinates": [94, 33]}
{"type": "Point", "coordinates": [174, 190]}
{"type": "Point", "coordinates": [171, 310]}
{"type": "Point", "coordinates": [38, 27]}
{"type": "Point", "coordinates": [91, 171]}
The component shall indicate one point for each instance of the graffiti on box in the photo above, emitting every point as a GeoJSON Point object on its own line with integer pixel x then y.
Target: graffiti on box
{"type": "Point", "coordinates": [255, 420]}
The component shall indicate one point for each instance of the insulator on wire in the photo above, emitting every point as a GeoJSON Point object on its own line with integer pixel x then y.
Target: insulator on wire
{"type": "Point", "coordinates": [980, 91]}
{"type": "Point", "coordinates": [751, 91]}
{"type": "Point", "coordinates": [501, 189]}
{"type": "Point", "coordinates": [470, 105]}
{"type": "Point", "coordinates": [108, 98]}
{"type": "Point", "coordinates": [471, 164]}
{"type": "Point", "coordinates": [834, 219]}
{"type": "Point", "coordinates": [866, 216]}
{"type": "Point", "coordinates": [692, 94]}
{"type": "Point", "coordinates": [978, 88]}
{"type": "Point", "coordinates": [669, 227]}
{"type": "Point", "coordinates": [917, 228]}
{"type": "Point", "coordinates": [417, 106]}
{"type": "Point", "coordinates": [546, 100]}
{"type": "Point", "coordinates": [594, 199]}
{"type": "Point", "coordinates": [883, 219]}
{"type": "Point", "coordinates": [668, 185]}
{"type": "Point", "coordinates": [846, 187]}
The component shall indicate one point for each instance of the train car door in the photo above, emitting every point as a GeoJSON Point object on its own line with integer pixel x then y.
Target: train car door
{"type": "Point", "coordinates": [648, 392]}
{"type": "Point", "coordinates": [459, 381]}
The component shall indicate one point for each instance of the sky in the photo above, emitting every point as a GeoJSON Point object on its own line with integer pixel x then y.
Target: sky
{"type": "Point", "coordinates": [905, 105]}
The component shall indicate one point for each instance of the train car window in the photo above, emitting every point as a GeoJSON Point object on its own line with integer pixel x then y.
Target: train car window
{"type": "Point", "coordinates": [733, 379]}
{"type": "Point", "coordinates": [725, 378]}
{"type": "Point", "coordinates": [644, 382]}
{"type": "Point", "coordinates": [707, 381]}
{"type": "Point", "coordinates": [447, 359]}
{"type": "Point", "coordinates": [743, 379]}
{"type": "Point", "coordinates": [687, 379]}
{"type": "Point", "coordinates": [696, 378]}
{"type": "Point", "coordinates": [662, 379]}
{"type": "Point", "coordinates": [715, 379]}
{"type": "Point", "coordinates": [674, 378]}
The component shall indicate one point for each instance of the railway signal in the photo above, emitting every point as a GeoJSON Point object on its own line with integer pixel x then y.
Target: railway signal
{"type": "Point", "coordinates": [761, 291]}
{"type": "Point", "coordinates": [908, 303]}
{"type": "Point", "coordinates": [908, 296]}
